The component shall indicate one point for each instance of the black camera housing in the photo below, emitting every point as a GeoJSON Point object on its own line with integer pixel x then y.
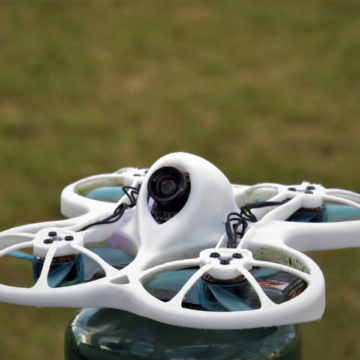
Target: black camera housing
{"type": "Point", "coordinates": [170, 189]}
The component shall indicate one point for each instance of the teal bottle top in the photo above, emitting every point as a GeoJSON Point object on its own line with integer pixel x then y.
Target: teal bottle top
{"type": "Point", "coordinates": [109, 334]}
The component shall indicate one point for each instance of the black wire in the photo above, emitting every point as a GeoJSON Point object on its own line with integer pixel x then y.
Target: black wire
{"type": "Point", "coordinates": [131, 195]}
{"type": "Point", "coordinates": [119, 211]}
{"type": "Point", "coordinates": [242, 219]}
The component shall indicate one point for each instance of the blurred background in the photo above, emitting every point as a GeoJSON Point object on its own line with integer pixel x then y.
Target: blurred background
{"type": "Point", "coordinates": [267, 91]}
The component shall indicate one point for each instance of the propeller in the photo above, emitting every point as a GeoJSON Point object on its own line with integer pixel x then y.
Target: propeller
{"type": "Point", "coordinates": [175, 280]}
{"type": "Point", "coordinates": [113, 257]}
{"type": "Point", "coordinates": [264, 272]}
{"type": "Point", "coordinates": [330, 213]}
{"type": "Point", "coordinates": [339, 213]}
{"type": "Point", "coordinates": [58, 274]}
{"type": "Point", "coordinates": [110, 194]}
{"type": "Point", "coordinates": [20, 255]}
{"type": "Point", "coordinates": [228, 300]}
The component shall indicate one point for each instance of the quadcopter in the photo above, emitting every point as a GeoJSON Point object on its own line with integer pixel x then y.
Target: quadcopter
{"type": "Point", "coordinates": [178, 243]}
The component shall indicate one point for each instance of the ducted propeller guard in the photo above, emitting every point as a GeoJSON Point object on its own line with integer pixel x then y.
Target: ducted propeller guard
{"type": "Point", "coordinates": [141, 253]}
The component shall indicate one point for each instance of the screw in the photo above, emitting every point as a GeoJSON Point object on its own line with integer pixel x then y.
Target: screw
{"type": "Point", "coordinates": [291, 189]}
{"type": "Point", "coordinates": [308, 192]}
{"type": "Point", "coordinates": [214, 255]}
{"type": "Point", "coordinates": [237, 256]}
{"type": "Point", "coordinates": [69, 238]}
{"type": "Point", "coordinates": [224, 262]}
{"type": "Point", "coordinates": [52, 233]}
{"type": "Point", "coordinates": [48, 241]}
{"type": "Point", "coordinates": [310, 187]}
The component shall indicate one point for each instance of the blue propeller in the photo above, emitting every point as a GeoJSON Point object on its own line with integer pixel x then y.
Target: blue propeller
{"type": "Point", "coordinates": [113, 257]}
{"type": "Point", "coordinates": [174, 281]}
{"type": "Point", "coordinates": [228, 300]}
{"type": "Point", "coordinates": [20, 255]}
{"type": "Point", "coordinates": [57, 275]}
{"type": "Point", "coordinates": [339, 213]}
{"type": "Point", "coordinates": [110, 194]}
{"type": "Point", "coordinates": [265, 272]}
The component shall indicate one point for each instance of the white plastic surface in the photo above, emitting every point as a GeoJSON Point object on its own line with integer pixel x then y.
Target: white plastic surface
{"type": "Point", "coordinates": [187, 240]}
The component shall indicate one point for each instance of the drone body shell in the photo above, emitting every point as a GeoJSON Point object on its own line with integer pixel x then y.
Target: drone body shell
{"type": "Point", "coordinates": [187, 240]}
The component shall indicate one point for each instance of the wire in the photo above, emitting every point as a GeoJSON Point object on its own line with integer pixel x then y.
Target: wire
{"type": "Point", "coordinates": [120, 210]}
{"type": "Point", "coordinates": [131, 196]}
{"type": "Point", "coordinates": [242, 219]}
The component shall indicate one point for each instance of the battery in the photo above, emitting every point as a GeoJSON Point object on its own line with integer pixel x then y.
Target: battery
{"type": "Point", "coordinates": [280, 287]}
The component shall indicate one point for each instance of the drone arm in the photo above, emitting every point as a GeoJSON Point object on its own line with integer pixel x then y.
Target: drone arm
{"type": "Point", "coordinates": [341, 200]}
{"type": "Point", "coordinates": [15, 247]}
{"type": "Point", "coordinates": [222, 242]}
{"type": "Point", "coordinates": [262, 212]}
{"type": "Point", "coordinates": [7, 240]}
{"type": "Point", "coordinates": [34, 228]}
{"type": "Point", "coordinates": [109, 270]}
{"type": "Point", "coordinates": [313, 237]}
{"type": "Point", "coordinates": [284, 211]}
{"type": "Point", "coordinates": [284, 268]}
{"type": "Point", "coordinates": [248, 194]}
{"type": "Point", "coordinates": [174, 265]}
{"type": "Point", "coordinates": [43, 279]}
{"type": "Point", "coordinates": [177, 300]}
{"type": "Point", "coordinates": [344, 194]}
{"type": "Point", "coordinates": [97, 233]}
{"type": "Point", "coordinates": [264, 300]}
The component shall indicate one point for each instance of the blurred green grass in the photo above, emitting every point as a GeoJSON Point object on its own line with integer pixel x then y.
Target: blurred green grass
{"type": "Point", "coordinates": [267, 91]}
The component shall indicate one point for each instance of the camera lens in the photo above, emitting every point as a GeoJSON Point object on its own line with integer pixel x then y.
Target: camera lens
{"type": "Point", "coordinates": [167, 184]}
{"type": "Point", "coordinates": [167, 187]}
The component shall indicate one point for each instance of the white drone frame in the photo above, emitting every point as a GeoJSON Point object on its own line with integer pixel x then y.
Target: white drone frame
{"type": "Point", "coordinates": [187, 240]}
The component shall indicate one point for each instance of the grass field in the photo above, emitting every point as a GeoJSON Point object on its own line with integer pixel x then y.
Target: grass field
{"type": "Point", "coordinates": [267, 91]}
